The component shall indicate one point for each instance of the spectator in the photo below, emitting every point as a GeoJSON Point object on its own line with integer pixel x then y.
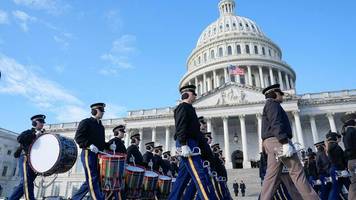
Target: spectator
{"type": "Point", "coordinates": [236, 188]}
{"type": "Point", "coordinates": [242, 188]}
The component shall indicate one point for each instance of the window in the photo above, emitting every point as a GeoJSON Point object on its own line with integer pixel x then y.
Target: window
{"type": "Point", "coordinates": [212, 54]}
{"type": "Point", "coordinates": [14, 172]}
{"type": "Point", "coordinates": [199, 60]}
{"type": "Point", "coordinates": [247, 26]}
{"type": "Point", "coordinates": [242, 80]}
{"type": "Point", "coordinates": [241, 26]}
{"type": "Point", "coordinates": [229, 50]}
{"type": "Point", "coordinates": [234, 25]}
{"type": "Point", "coordinates": [247, 49]}
{"type": "Point", "coordinates": [256, 49]}
{"type": "Point", "coordinates": [220, 52]}
{"type": "Point", "coordinates": [238, 49]}
{"type": "Point", "coordinates": [9, 152]}
{"type": "Point", "coordinates": [205, 57]}
{"type": "Point", "coordinates": [74, 190]}
{"type": "Point", "coordinates": [55, 190]}
{"type": "Point", "coordinates": [263, 51]}
{"type": "Point", "coordinates": [253, 80]}
{"type": "Point", "coordinates": [227, 26]}
{"type": "Point", "coordinates": [269, 52]}
{"type": "Point", "coordinates": [4, 171]}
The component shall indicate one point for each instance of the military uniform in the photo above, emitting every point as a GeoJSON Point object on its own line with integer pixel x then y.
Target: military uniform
{"type": "Point", "coordinates": [120, 145]}
{"type": "Point", "coordinates": [28, 176]}
{"type": "Point", "coordinates": [133, 153]}
{"type": "Point", "coordinates": [148, 155]}
{"type": "Point", "coordinates": [349, 140]}
{"type": "Point", "coordinates": [276, 131]}
{"type": "Point", "coordinates": [188, 134]}
{"type": "Point", "coordinates": [91, 131]}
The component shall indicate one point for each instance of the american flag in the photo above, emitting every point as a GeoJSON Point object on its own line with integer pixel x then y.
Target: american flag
{"type": "Point", "coordinates": [235, 70]}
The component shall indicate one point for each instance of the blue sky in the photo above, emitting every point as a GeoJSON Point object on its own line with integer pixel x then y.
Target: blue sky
{"type": "Point", "coordinates": [57, 57]}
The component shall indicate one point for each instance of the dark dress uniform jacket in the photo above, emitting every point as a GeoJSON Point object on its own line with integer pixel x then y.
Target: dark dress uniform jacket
{"type": "Point", "coordinates": [91, 131]}
{"type": "Point", "coordinates": [322, 163]}
{"type": "Point", "coordinates": [158, 164]}
{"type": "Point", "coordinates": [187, 124]}
{"type": "Point", "coordinates": [275, 122]}
{"type": "Point", "coordinates": [349, 140]}
{"type": "Point", "coordinates": [336, 156]}
{"type": "Point", "coordinates": [147, 157]}
{"type": "Point", "coordinates": [120, 146]}
{"type": "Point", "coordinates": [133, 150]}
{"type": "Point", "coordinates": [26, 138]}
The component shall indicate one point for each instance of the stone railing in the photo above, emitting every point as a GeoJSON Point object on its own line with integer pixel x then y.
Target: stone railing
{"type": "Point", "coordinates": [7, 132]}
{"type": "Point", "coordinates": [323, 95]}
{"type": "Point", "coordinates": [151, 112]}
{"type": "Point", "coordinates": [74, 125]}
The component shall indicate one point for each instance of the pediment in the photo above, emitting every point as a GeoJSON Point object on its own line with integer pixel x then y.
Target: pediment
{"type": "Point", "coordinates": [230, 94]}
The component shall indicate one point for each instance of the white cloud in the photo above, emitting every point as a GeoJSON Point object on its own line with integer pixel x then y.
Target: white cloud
{"type": "Point", "coordinates": [23, 19]}
{"type": "Point", "coordinates": [4, 19]}
{"type": "Point", "coordinates": [119, 55]}
{"type": "Point", "coordinates": [18, 79]}
{"type": "Point", "coordinates": [51, 6]}
{"type": "Point", "coordinates": [114, 111]}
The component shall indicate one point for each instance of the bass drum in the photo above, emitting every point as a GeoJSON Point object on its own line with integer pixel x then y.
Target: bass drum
{"type": "Point", "coordinates": [52, 154]}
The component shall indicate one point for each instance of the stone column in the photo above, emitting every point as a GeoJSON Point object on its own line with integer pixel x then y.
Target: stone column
{"type": "Point", "coordinates": [259, 130]}
{"type": "Point", "coordinates": [271, 75]}
{"type": "Point", "coordinates": [314, 129]}
{"type": "Point", "coordinates": [204, 84]}
{"type": "Point", "coordinates": [246, 162]}
{"type": "Point", "coordinates": [298, 127]}
{"type": "Point", "coordinates": [227, 141]}
{"type": "Point", "coordinates": [249, 75]}
{"type": "Point", "coordinates": [196, 81]}
{"type": "Point", "coordinates": [127, 138]}
{"type": "Point", "coordinates": [210, 127]}
{"type": "Point", "coordinates": [209, 84]}
{"type": "Point", "coordinates": [216, 81]}
{"type": "Point", "coordinates": [140, 131]}
{"type": "Point", "coordinates": [226, 75]}
{"type": "Point", "coordinates": [291, 83]}
{"type": "Point", "coordinates": [287, 82]}
{"type": "Point", "coordinates": [280, 79]}
{"type": "Point", "coordinates": [294, 131]}
{"type": "Point", "coordinates": [261, 77]}
{"type": "Point", "coordinates": [154, 134]}
{"type": "Point", "coordinates": [168, 137]}
{"type": "Point", "coordinates": [331, 122]}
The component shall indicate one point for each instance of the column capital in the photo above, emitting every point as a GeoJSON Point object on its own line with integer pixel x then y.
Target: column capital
{"type": "Point", "coordinates": [295, 112]}
{"type": "Point", "coordinates": [259, 115]}
{"type": "Point", "coordinates": [226, 117]}
{"type": "Point", "coordinates": [242, 116]}
{"type": "Point", "coordinates": [330, 114]}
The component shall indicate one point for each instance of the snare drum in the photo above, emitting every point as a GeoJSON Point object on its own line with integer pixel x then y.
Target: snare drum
{"type": "Point", "coordinates": [52, 154]}
{"type": "Point", "coordinates": [149, 185]}
{"type": "Point", "coordinates": [164, 187]}
{"type": "Point", "coordinates": [112, 168]}
{"type": "Point", "coordinates": [133, 181]}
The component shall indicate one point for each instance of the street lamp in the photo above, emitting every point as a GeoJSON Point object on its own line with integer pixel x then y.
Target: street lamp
{"type": "Point", "coordinates": [236, 138]}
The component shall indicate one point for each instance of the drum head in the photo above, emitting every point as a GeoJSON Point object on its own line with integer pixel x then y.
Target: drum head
{"type": "Point", "coordinates": [44, 153]}
{"type": "Point", "coordinates": [165, 178]}
{"type": "Point", "coordinates": [151, 174]}
{"type": "Point", "coordinates": [134, 168]}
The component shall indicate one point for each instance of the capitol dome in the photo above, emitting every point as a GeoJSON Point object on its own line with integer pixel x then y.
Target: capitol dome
{"type": "Point", "coordinates": [234, 50]}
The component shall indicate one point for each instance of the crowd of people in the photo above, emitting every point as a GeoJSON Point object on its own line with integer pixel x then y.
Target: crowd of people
{"type": "Point", "coordinates": [198, 166]}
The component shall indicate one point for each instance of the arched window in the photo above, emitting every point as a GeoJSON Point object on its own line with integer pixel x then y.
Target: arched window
{"type": "Point", "coordinates": [220, 52]}
{"type": "Point", "coordinates": [256, 49]}
{"type": "Point", "coordinates": [269, 52]}
{"type": "Point", "coordinates": [247, 47]}
{"type": "Point", "coordinates": [263, 51]}
{"type": "Point", "coordinates": [238, 49]}
{"type": "Point", "coordinates": [212, 54]}
{"type": "Point", "coordinates": [229, 50]}
{"type": "Point", "coordinates": [205, 57]}
{"type": "Point", "coordinates": [199, 60]}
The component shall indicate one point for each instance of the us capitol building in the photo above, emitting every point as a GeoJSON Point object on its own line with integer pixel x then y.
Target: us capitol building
{"type": "Point", "coordinates": [231, 102]}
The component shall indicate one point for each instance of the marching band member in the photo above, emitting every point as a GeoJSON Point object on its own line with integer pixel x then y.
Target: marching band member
{"type": "Point", "coordinates": [157, 159]}
{"type": "Point", "coordinates": [323, 168]}
{"type": "Point", "coordinates": [349, 140]}
{"type": "Point", "coordinates": [174, 166]}
{"type": "Point", "coordinates": [168, 168]}
{"type": "Point", "coordinates": [148, 155]}
{"type": "Point", "coordinates": [338, 163]}
{"type": "Point", "coordinates": [188, 137]}
{"type": "Point", "coordinates": [90, 137]}
{"type": "Point", "coordinates": [28, 176]}
{"type": "Point", "coordinates": [276, 134]}
{"type": "Point", "coordinates": [119, 134]}
{"type": "Point", "coordinates": [134, 155]}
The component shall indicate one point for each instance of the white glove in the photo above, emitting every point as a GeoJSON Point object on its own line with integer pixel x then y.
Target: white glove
{"type": "Point", "coordinates": [186, 152]}
{"type": "Point", "coordinates": [93, 148]}
{"type": "Point", "coordinates": [288, 150]}
{"type": "Point", "coordinates": [344, 173]}
{"type": "Point", "coordinates": [113, 146]}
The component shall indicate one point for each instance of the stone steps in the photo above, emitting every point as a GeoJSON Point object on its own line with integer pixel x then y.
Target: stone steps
{"type": "Point", "coordinates": [251, 179]}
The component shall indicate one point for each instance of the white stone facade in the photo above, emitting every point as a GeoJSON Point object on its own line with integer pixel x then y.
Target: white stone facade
{"type": "Point", "coordinates": [232, 105]}
{"type": "Point", "coordinates": [8, 164]}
